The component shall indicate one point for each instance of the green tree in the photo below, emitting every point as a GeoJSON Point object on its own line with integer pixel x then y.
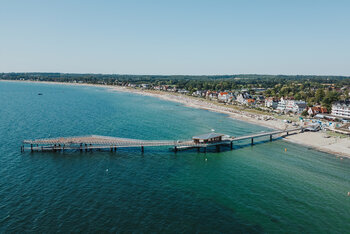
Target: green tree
{"type": "Point", "coordinates": [319, 95]}
{"type": "Point", "coordinates": [330, 97]}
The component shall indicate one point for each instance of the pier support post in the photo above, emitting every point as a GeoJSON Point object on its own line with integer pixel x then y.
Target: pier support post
{"type": "Point", "coordinates": [31, 147]}
{"type": "Point", "coordinates": [205, 149]}
{"type": "Point", "coordinates": [252, 141]}
{"type": "Point", "coordinates": [142, 149]}
{"type": "Point", "coordinates": [218, 148]}
{"type": "Point", "coordinates": [231, 145]}
{"type": "Point", "coordinates": [175, 149]}
{"type": "Point", "coordinates": [287, 133]}
{"type": "Point", "coordinates": [271, 137]}
{"type": "Point", "coordinates": [198, 149]}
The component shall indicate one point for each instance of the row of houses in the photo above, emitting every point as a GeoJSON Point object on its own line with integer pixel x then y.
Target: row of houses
{"type": "Point", "coordinates": [283, 105]}
{"type": "Point", "coordinates": [339, 109]}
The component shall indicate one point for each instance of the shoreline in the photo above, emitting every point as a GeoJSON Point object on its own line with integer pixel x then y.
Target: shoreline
{"type": "Point", "coordinates": [315, 140]}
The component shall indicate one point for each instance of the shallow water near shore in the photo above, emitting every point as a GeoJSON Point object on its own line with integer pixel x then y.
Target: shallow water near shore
{"type": "Point", "coordinates": [250, 189]}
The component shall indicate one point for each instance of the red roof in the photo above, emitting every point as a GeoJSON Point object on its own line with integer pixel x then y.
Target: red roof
{"type": "Point", "coordinates": [318, 109]}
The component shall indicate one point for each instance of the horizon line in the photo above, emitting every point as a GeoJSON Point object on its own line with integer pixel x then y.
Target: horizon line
{"type": "Point", "coordinates": [129, 74]}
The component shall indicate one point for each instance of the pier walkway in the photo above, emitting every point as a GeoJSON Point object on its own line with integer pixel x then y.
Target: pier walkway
{"type": "Point", "coordinates": [94, 142]}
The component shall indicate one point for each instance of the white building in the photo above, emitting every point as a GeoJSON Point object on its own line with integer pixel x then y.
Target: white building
{"type": "Point", "coordinates": [341, 109]}
{"type": "Point", "coordinates": [212, 95]}
{"type": "Point", "coordinates": [244, 98]}
{"type": "Point", "coordinates": [225, 97]}
{"type": "Point", "coordinates": [281, 105]}
{"type": "Point", "coordinates": [183, 91]}
{"type": "Point", "coordinates": [145, 86]}
{"type": "Point", "coordinates": [199, 93]}
{"type": "Point", "coordinates": [288, 105]}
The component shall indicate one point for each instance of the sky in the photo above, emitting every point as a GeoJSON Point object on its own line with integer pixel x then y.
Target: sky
{"type": "Point", "coordinates": [305, 37]}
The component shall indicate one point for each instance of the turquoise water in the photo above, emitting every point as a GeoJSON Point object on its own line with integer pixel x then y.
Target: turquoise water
{"type": "Point", "coordinates": [259, 189]}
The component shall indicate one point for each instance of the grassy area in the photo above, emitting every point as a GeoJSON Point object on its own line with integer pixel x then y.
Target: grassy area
{"type": "Point", "coordinates": [335, 134]}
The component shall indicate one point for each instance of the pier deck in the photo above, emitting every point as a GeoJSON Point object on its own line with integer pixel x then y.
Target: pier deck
{"type": "Point", "coordinates": [88, 143]}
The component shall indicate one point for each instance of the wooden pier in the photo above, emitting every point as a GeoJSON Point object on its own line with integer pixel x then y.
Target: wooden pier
{"type": "Point", "coordinates": [94, 142]}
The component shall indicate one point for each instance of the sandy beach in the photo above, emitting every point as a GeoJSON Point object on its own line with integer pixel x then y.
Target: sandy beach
{"type": "Point", "coordinates": [316, 140]}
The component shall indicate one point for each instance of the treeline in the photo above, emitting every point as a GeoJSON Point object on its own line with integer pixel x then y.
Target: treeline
{"type": "Point", "coordinates": [191, 83]}
{"type": "Point", "coordinates": [322, 90]}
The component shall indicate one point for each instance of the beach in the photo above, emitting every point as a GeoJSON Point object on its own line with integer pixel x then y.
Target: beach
{"type": "Point", "coordinates": [315, 140]}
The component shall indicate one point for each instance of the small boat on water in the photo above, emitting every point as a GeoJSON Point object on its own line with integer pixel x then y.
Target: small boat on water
{"type": "Point", "coordinates": [40, 94]}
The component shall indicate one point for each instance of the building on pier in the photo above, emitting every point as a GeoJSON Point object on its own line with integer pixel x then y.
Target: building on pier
{"type": "Point", "coordinates": [208, 138]}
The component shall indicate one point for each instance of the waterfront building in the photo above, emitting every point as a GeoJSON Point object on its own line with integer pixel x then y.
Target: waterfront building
{"type": "Point", "coordinates": [291, 105]}
{"type": "Point", "coordinates": [316, 110]}
{"type": "Point", "coordinates": [199, 93]}
{"type": "Point", "coordinates": [183, 91]}
{"type": "Point", "coordinates": [145, 86]}
{"type": "Point", "coordinates": [271, 102]}
{"type": "Point", "coordinates": [341, 109]}
{"type": "Point", "coordinates": [245, 99]}
{"type": "Point", "coordinates": [208, 138]}
{"type": "Point", "coordinates": [259, 99]}
{"type": "Point", "coordinates": [212, 95]}
{"type": "Point", "coordinates": [225, 97]}
{"type": "Point", "coordinates": [296, 106]}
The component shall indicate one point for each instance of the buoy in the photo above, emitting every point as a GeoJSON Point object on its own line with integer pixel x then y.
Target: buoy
{"type": "Point", "coordinates": [206, 159]}
{"type": "Point", "coordinates": [349, 194]}
{"type": "Point", "coordinates": [285, 149]}
{"type": "Point", "coordinates": [106, 169]}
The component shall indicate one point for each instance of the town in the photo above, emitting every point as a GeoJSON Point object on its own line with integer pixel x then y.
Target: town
{"type": "Point", "coordinates": [315, 102]}
{"type": "Point", "coordinates": [333, 116]}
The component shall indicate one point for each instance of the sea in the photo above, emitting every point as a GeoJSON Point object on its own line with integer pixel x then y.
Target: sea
{"type": "Point", "coordinates": [271, 187]}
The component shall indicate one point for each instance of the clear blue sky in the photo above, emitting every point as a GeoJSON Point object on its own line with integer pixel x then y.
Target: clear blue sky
{"type": "Point", "coordinates": [176, 37]}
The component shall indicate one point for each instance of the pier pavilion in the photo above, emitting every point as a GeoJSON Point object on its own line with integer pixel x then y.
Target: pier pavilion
{"type": "Point", "coordinates": [208, 138]}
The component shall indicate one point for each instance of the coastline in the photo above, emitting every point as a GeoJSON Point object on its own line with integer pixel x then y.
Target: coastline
{"type": "Point", "coordinates": [315, 140]}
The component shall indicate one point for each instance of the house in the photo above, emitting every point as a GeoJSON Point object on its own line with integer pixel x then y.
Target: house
{"type": "Point", "coordinates": [341, 109]}
{"type": "Point", "coordinates": [259, 99]}
{"type": "Point", "coordinates": [199, 93]}
{"type": "Point", "coordinates": [132, 85]}
{"type": "Point", "coordinates": [183, 91]}
{"type": "Point", "coordinates": [250, 101]}
{"type": "Point", "coordinates": [296, 106]}
{"type": "Point", "coordinates": [316, 110]}
{"type": "Point", "coordinates": [145, 86]}
{"type": "Point", "coordinates": [208, 138]}
{"type": "Point", "coordinates": [171, 89]}
{"type": "Point", "coordinates": [212, 95]}
{"type": "Point", "coordinates": [225, 97]}
{"type": "Point", "coordinates": [243, 99]}
{"type": "Point", "coordinates": [271, 102]}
